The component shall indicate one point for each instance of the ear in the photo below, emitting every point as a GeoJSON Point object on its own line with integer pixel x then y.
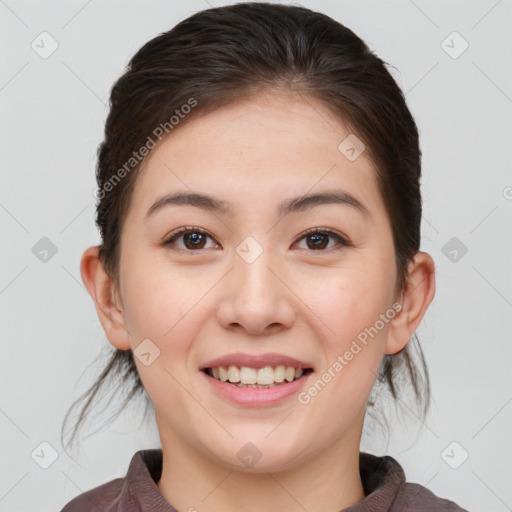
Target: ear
{"type": "Point", "coordinates": [416, 298]}
{"type": "Point", "coordinates": [106, 298]}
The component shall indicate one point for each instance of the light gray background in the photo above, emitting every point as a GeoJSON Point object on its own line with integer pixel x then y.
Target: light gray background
{"type": "Point", "coordinates": [52, 115]}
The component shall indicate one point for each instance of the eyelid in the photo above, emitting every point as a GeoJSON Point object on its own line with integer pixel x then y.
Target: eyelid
{"type": "Point", "coordinates": [342, 239]}
{"type": "Point", "coordinates": [168, 240]}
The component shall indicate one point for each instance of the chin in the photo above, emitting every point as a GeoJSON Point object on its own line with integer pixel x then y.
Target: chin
{"type": "Point", "coordinates": [262, 466]}
{"type": "Point", "coordinates": [259, 455]}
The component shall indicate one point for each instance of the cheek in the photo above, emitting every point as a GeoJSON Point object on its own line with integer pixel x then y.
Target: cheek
{"type": "Point", "coordinates": [158, 303]}
{"type": "Point", "coordinates": [354, 304]}
{"type": "Point", "coordinates": [159, 314]}
{"type": "Point", "coordinates": [164, 311]}
{"type": "Point", "coordinates": [358, 311]}
{"type": "Point", "coordinates": [353, 351]}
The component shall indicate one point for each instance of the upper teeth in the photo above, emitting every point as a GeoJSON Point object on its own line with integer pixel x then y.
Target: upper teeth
{"type": "Point", "coordinates": [266, 375]}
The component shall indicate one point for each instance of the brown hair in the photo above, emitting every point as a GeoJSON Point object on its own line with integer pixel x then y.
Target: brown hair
{"type": "Point", "coordinates": [224, 54]}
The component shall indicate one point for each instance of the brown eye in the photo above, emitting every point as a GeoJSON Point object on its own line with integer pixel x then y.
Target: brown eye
{"type": "Point", "coordinates": [319, 239]}
{"type": "Point", "coordinates": [193, 239]}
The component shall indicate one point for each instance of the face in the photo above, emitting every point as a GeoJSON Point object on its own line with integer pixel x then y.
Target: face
{"type": "Point", "coordinates": [253, 282]}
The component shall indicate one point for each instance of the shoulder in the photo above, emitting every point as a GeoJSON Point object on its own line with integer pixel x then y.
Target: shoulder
{"type": "Point", "coordinates": [415, 497]}
{"type": "Point", "coordinates": [127, 493]}
{"type": "Point", "coordinates": [386, 488]}
{"type": "Point", "coordinates": [104, 497]}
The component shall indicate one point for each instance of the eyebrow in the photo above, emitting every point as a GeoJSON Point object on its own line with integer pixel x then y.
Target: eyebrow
{"type": "Point", "coordinates": [296, 204]}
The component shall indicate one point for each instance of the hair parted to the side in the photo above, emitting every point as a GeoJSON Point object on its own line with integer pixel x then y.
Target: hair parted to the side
{"type": "Point", "coordinates": [226, 54]}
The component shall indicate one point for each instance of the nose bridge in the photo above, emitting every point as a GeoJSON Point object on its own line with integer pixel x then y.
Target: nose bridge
{"type": "Point", "coordinates": [256, 297]}
{"type": "Point", "coordinates": [254, 281]}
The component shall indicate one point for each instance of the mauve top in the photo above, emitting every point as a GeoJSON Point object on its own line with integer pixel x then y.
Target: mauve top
{"type": "Point", "coordinates": [383, 481]}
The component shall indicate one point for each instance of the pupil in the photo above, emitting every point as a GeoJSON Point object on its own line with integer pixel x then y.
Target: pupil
{"type": "Point", "coordinates": [318, 238]}
{"type": "Point", "coordinates": [195, 238]}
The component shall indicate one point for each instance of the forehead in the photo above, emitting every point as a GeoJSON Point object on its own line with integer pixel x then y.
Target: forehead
{"type": "Point", "coordinates": [258, 151]}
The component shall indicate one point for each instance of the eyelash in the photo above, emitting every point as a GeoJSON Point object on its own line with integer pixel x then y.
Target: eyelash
{"type": "Point", "coordinates": [190, 229]}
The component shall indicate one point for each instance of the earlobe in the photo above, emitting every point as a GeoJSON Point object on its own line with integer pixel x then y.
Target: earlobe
{"type": "Point", "coordinates": [416, 299]}
{"type": "Point", "coordinates": [104, 294]}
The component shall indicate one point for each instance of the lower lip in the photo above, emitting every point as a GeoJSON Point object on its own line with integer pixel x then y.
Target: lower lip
{"type": "Point", "coordinates": [256, 397]}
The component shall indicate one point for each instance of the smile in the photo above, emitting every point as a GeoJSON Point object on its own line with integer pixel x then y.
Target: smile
{"type": "Point", "coordinates": [266, 377]}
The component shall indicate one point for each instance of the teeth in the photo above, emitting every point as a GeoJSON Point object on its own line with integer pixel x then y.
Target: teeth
{"type": "Point", "coordinates": [255, 377]}
{"type": "Point", "coordinates": [265, 375]}
{"type": "Point", "coordinates": [248, 375]}
{"type": "Point", "coordinates": [289, 374]}
{"type": "Point", "coordinates": [279, 373]}
{"type": "Point", "coordinates": [223, 374]}
{"type": "Point", "coordinates": [233, 374]}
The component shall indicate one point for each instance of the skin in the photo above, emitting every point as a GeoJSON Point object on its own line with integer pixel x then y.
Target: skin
{"type": "Point", "coordinates": [294, 299]}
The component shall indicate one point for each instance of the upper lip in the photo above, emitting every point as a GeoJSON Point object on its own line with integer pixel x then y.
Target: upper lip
{"type": "Point", "coordinates": [255, 361]}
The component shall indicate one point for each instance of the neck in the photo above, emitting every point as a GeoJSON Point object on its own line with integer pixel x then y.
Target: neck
{"type": "Point", "coordinates": [329, 482]}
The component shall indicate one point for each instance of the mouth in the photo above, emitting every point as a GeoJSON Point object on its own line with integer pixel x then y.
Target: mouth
{"type": "Point", "coordinates": [261, 378]}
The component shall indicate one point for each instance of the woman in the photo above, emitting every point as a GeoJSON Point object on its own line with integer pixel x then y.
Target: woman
{"type": "Point", "coordinates": [260, 208]}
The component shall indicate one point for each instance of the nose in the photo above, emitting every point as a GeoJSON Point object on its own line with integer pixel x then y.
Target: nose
{"type": "Point", "coordinates": [255, 297]}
